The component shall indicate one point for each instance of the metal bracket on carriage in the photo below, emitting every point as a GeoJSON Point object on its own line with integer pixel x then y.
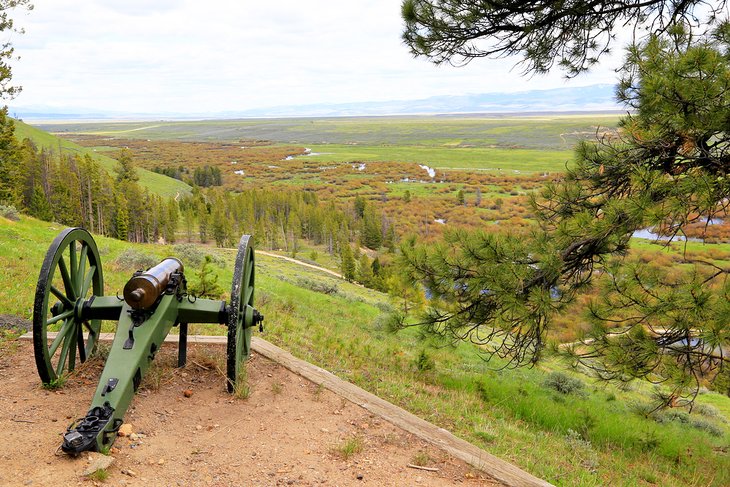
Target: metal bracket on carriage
{"type": "Point", "coordinates": [138, 317]}
{"type": "Point", "coordinates": [81, 436]}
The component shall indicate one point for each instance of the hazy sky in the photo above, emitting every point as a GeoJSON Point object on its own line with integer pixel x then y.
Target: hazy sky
{"type": "Point", "coordinates": [163, 56]}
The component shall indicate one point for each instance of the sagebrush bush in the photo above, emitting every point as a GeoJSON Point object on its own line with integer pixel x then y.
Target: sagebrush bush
{"type": "Point", "coordinates": [328, 288]}
{"type": "Point", "coordinates": [708, 410]}
{"type": "Point", "coordinates": [192, 255]}
{"type": "Point", "coordinates": [707, 427]}
{"type": "Point", "coordinates": [131, 259]}
{"type": "Point", "coordinates": [9, 212]}
{"type": "Point", "coordinates": [671, 415]}
{"type": "Point", "coordinates": [563, 383]}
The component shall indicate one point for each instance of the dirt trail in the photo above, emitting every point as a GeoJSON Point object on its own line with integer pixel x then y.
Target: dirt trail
{"type": "Point", "coordinates": [299, 262]}
{"type": "Point", "coordinates": [288, 432]}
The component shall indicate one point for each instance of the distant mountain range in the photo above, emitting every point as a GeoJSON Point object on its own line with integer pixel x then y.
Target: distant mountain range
{"type": "Point", "coordinates": [579, 99]}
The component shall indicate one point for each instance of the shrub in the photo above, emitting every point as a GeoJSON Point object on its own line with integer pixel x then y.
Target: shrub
{"type": "Point", "coordinates": [9, 212]}
{"type": "Point", "coordinates": [424, 362]}
{"type": "Point", "coordinates": [329, 289]}
{"type": "Point", "coordinates": [131, 259]}
{"type": "Point", "coordinates": [708, 410]}
{"type": "Point", "coordinates": [641, 408]}
{"type": "Point", "coordinates": [563, 383]}
{"type": "Point", "coordinates": [192, 255]}
{"type": "Point", "coordinates": [206, 285]}
{"type": "Point", "coordinates": [671, 415]}
{"type": "Point", "coordinates": [707, 427]}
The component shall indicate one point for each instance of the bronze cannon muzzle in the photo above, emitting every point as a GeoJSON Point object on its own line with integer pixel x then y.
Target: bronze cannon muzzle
{"type": "Point", "coordinates": [143, 290]}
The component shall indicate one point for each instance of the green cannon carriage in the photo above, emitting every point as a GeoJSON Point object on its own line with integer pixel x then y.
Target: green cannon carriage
{"type": "Point", "coordinates": [70, 298]}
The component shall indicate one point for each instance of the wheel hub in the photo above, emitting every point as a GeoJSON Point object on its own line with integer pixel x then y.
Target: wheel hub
{"type": "Point", "coordinates": [79, 309]}
{"type": "Point", "coordinates": [57, 308]}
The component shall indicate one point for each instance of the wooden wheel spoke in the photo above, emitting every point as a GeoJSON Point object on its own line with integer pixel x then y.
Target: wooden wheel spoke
{"type": "Point", "coordinates": [247, 294]}
{"type": "Point", "coordinates": [64, 355]}
{"type": "Point", "coordinates": [67, 283]}
{"type": "Point", "coordinates": [82, 269]}
{"type": "Point", "coordinates": [62, 297]}
{"type": "Point", "coordinates": [59, 338]}
{"type": "Point", "coordinates": [72, 343]}
{"type": "Point", "coordinates": [89, 328]}
{"type": "Point", "coordinates": [73, 263]}
{"type": "Point", "coordinates": [87, 281]}
{"type": "Point", "coordinates": [60, 317]}
{"type": "Point", "coordinates": [80, 343]}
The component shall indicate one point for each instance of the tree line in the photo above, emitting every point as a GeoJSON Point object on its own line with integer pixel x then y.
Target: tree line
{"type": "Point", "coordinates": [75, 190]}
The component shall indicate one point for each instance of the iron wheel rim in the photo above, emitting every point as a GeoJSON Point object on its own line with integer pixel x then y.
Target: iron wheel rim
{"type": "Point", "coordinates": [240, 316]}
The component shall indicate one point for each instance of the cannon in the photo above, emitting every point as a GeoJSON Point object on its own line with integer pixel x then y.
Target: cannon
{"type": "Point", "coordinates": [70, 305]}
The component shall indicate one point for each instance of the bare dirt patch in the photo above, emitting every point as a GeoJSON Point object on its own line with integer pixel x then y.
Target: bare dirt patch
{"type": "Point", "coordinates": [287, 432]}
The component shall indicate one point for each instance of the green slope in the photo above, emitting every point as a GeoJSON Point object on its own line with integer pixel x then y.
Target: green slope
{"type": "Point", "coordinates": [592, 437]}
{"type": "Point", "coordinates": [155, 183]}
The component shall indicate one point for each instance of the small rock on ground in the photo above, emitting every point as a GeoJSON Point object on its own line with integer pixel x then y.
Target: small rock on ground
{"type": "Point", "coordinates": [97, 462]}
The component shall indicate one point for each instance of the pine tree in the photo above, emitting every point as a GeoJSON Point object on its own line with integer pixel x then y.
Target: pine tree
{"type": "Point", "coordinates": [9, 160]}
{"type": "Point", "coordinates": [189, 221]}
{"type": "Point", "coordinates": [359, 205]}
{"type": "Point", "coordinates": [121, 218]}
{"type": "Point", "coordinates": [347, 261]}
{"type": "Point", "coordinates": [201, 210]}
{"type": "Point", "coordinates": [365, 271]}
{"type": "Point", "coordinates": [372, 234]}
{"type": "Point", "coordinates": [173, 216]}
{"type": "Point", "coordinates": [206, 285]}
{"type": "Point", "coordinates": [221, 229]}
{"type": "Point", "coordinates": [667, 168]}
{"type": "Point", "coordinates": [39, 206]}
{"type": "Point", "coordinates": [460, 198]}
{"type": "Point", "coordinates": [126, 171]}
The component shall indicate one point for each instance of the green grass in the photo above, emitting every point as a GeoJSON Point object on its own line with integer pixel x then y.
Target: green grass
{"type": "Point", "coordinates": [588, 438]}
{"type": "Point", "coordinates": [155, 183]}
{"type": "Point", "coordinates": [100, 475]}
{"type": "Point", "coordinates": [242, 388]}
{"type": "Point", "coordinates": [544, 132]}
{"type": "Point", "coordinates": [349, 448]}
{"type": "Point", "coordinates": [521, 144]}
{"type": "Point", "coordinates": [484, 159]}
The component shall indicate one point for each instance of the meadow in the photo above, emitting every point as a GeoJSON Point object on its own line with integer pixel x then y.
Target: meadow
{"type": "Point", "coordinates": [545, 132]}
{"type": "Point", "coordinates": [498, 143]}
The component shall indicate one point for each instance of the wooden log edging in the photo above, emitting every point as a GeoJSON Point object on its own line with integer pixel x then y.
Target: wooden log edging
{"type": "Point", "coordinates": [495, 467]}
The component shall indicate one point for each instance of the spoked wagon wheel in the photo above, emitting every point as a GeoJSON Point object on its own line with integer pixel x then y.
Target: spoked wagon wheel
{"type": "Point", "coordinates": [241, 311]}
{"type": "Point", "coordinates": [70, 275]}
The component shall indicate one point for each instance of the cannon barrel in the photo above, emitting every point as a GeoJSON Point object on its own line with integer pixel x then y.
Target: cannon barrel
{"type": "Point", "coordinates": [143, 290]}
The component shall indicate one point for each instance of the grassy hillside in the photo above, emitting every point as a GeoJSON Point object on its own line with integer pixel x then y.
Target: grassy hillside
{"type": "Point", "coordinates": [155, 183]}
{"type": "Point", "coordinates": [588, 434]}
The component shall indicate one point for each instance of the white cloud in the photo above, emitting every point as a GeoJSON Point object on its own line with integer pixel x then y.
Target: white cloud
{"type": "Point", "coordinates": [184, 56]}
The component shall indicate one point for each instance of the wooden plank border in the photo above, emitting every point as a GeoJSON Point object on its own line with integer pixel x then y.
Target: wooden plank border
{"type": "Point", "coordinates": [497, 468]}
